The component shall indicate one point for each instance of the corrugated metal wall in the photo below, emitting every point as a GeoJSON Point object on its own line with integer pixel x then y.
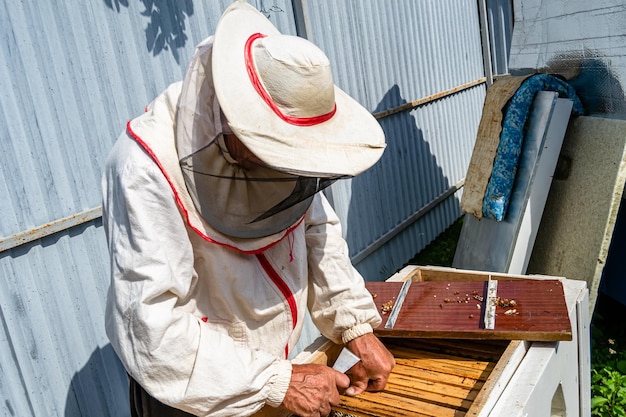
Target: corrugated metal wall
{"type": "Point", "coordinates": [72, 73]}
{"type": "Point", "coordinates": [388, 54]}
{"type": "Point", "coordinates": [499, 15]}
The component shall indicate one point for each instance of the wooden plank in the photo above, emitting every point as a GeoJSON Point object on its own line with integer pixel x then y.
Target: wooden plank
{"type": "Point", "coordinates": [498, 378]}
{"type": "Point", "coordinates": [454, 310]}
{"type": "Point", "coordinates": [436, 273]}
{"type": "Point", "coordinates": [486, 145]}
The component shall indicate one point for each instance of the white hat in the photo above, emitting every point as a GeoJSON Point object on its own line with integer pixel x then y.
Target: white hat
{"type": "Point", "coordinates": [278, 96]}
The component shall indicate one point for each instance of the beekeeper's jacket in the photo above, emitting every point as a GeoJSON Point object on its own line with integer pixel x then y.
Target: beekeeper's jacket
{"type": "Point", "coordinates": [202, 322]}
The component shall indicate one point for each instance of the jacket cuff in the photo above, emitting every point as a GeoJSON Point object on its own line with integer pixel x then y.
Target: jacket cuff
{"type": "Point", "coordinates": [356, 331]}
{"type": "Point", "coordinates": [279, 383]}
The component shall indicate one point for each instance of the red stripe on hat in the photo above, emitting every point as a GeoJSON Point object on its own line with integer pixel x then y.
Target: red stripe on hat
{"type": "Point", "coordinates": [258, 86]}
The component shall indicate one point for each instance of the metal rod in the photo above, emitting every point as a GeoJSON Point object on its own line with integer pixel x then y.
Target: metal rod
{"type": "Point", "coordinates": [406, 223]}
{"type": "Point", "coordinates": [395, 311]}
{"type": "Point", "coordinates": [486, 42]}
{"type": "Point", "coordinates": [429, 99]}
{"type": "Point", "coordinates": [47, 229]}
{"type": "Point", "coordinates": [301, 17]}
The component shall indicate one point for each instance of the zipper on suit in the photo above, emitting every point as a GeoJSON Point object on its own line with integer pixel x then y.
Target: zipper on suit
{"type": "Point", "coordinates": [284, 289]}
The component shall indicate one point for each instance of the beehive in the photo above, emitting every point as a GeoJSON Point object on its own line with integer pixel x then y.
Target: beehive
{"type": "Point", "coordinates": [456, 376]}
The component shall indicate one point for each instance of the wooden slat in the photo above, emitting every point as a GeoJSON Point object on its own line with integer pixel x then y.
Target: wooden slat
{"type": "Point", "coordinates": [453, 309]}
{"type": "Point", "coordinates": [436, 375]}
{"type": "Point", "coordinates": [436, 273]}
{"type": "Point", "coordinates": [424, 383]}
{"type": "Point", "coordinates": [489, 350]}
{"type": "Point", "coordinates": [466, 368]}
{"type": "Point", "coordinates": [388, 405]}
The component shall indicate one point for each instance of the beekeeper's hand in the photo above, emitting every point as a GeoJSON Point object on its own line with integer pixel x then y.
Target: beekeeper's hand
{"type": "Point", "coordinates": [313, 389]}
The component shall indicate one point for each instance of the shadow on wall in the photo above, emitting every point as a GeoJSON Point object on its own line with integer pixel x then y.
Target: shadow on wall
{"type": "Point", "coordinates": [404, 180]}
{"type": "Point", "coordinates": [166, 29]}
{"type": "Point", "coordinates": [100, 388]}
{"type": "Point", "coordinates": [595, 83]}
{"type": "Point", "coordinates": [590, 74]}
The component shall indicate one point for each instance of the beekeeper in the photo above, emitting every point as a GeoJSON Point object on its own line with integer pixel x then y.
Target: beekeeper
{"type": "Point", "coordinates": [220, 239]}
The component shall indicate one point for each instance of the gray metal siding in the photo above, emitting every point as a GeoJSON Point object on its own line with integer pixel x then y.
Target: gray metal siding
{"type": "Point", "coordinates": [72, 73]}
{"type": "Point", "coordinates": [54, 355]}
{"type": "Point", "coordinates": [500, 29]}
{"type": "Point", "coordinates": [387, 54]}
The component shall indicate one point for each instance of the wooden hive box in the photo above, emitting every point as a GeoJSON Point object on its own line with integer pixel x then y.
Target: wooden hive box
{"type": "Point", "coordinates": [458, 377]}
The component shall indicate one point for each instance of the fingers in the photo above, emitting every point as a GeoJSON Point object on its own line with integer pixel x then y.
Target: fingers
{"type": "Point", "coordinates": [360, 379]}
{"type": "Point", "coordinates": [342, 381]}
{"type": "Point", "coordinates": [363, 381]}
{"type": "Point", "coordinates": [373, 371]}
{"type": "Point", "coordinates": [313, 390]}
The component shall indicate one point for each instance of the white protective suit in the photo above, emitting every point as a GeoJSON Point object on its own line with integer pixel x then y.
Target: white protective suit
{"type": "Point", "coordinates": [202, 321]}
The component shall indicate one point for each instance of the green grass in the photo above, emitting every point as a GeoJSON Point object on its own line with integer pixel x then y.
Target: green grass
{"type": "Point", "coordinates": [608, 332]}
{"type": "Point", "coordinates": [440, 252]}
{"type": "Point", "coordinates": [608, 358]}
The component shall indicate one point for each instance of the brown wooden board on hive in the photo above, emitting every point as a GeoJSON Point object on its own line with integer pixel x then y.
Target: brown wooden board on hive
{"type": "Point", "coordinates": [456, 309]}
